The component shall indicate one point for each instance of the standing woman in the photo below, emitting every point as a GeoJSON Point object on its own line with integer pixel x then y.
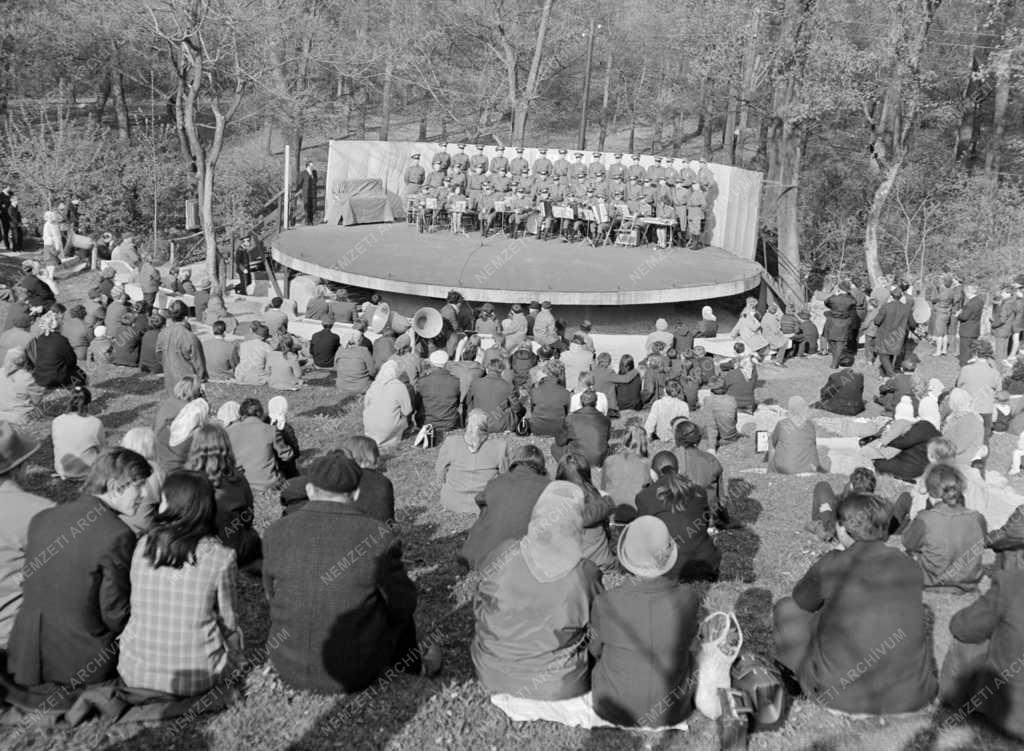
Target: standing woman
{"type": "Point", "coordinates": [467, 461]}
{"type": "Point", "coordinates": [211, 455]}
{"type": "Point", "coordinates": [78, 437]}
{"type": "Point", "coordinates": [942, 301]}
{"type": "Point", "coordinates": [182, 637]}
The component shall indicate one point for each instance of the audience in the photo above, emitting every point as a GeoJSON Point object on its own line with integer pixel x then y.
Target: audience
{"type": "Point", "coordinates": [718, 413]}
{"type": "Point", "coordinates": [142, 440]}
{"type": "Point", "coordinates": [912, 444]}
{"type": "Point", "coordinates": [628, 393]}
{"type": "Point", "coordinates": [180, 349]}
{"type": "Point", "coordinates": [148, 360]}
{"type": "Point", "coordinates": [597, 509]}
{"type": "Point", "coordinates": [19, 392]}
{"type": "Point", "coordinates": [78, 437]}
{"type": "Point", "coordinates": [980, 378]}
{"type": "Point", "coordinates": [438, 395]}
{"type": "Point", "coordinates": [174, 439]}
{"type": "Point", "coordinates": [793, 445]}
{"type": "Point", "coordinates": [283, 369]}
{"type": "Point", "coordinates": [496, 397]}
{"type": "Point", "coordinates": [221, 353]}
{"type": "Point", "coordinates": [964, 427]}
{"type": "Point", "coordinates": [253, 354]}
{"type": "Point", "coordinates": [386, 407]}
{"type": "Point", "coordinates": [843, 392]}
{"type": "Point", "coordinates": [324, 344]}
{"type": "Point", "coordinates": [625, 472]}
{"type": "Point", "coordinates": [700, 466]}
{"type": "Point", "coordinates": [76, 331]}
{"type": "Point", "coordinates": [54, 363]}
{"type": "Point", "coordinates": [354, 365]}
{"type": "Point", "coordinates": [467, 461]}
{"type": "Point", "coordinates": [549, 401]}
{"type": "Point", "coordinates": [665, 411]}
{"type": "Point", "coordinates": [257, 446]}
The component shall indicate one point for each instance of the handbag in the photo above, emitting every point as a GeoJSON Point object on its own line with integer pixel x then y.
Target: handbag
{"type": "Point", "coordinates": [426, 438]}
{"type": "Point", "coordinates": [761, 681]}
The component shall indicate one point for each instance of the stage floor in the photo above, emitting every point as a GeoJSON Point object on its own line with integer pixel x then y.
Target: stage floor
{"type": "Point", "coordinates": [397, 258]}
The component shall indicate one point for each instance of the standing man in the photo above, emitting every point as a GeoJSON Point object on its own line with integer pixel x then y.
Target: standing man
{"type": "Point", "coordinates": [478, 159]}
{"type": "Point", "coordinates": [307, 187]}
{"type": "Point", "coordinates": [841, 311]}
{"type": "Point", "coordinates": [970, 321]}
{"type": "Point", "coordinates": [73, 216]}
{"type": "Point", "coordinates": [248, 258]}
{"type": "Point", "coordinates": [518, 163]}
{"type": "Point", "coordinates": [596, 166]}
{"type": "Point", "coordinates": [5, 219]}
{"type": "Point", "coordinates": [414, 175]}
{"type": "Point", "coordinates": [1002, 323]}
{"type": "Point", "coordinates": [656, 171]}
{"type": "Point", "coordinates": [635, 169]}
{"type": "Point", "coordinates": [499, 162]}
{"type": "Point", "coordinates": [460, 159]}
{"type": "Point", "coordinates": [444, 158]}
{"type": "Point", "coordinates": [617, 170]}
{"type": "Point", "coordinates": [180, 349]}
{"type": "Point", "coordinates": [578, 168]}
{"type": "Point", "coordinates": [17, 227]}
{"type": "Point", "coordinates": [542, 162]}
{"type": "Point", "coordinates": [892, 321]}
{"type": "Point", "coordinates": [560, 169]}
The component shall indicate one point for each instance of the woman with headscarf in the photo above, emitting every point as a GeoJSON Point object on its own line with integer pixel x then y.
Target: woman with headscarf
{"type": "Point", "coordinates": [187, 389]}
{"type": "Point", "coordinates": [54, 363]}
{"type": "Point", "coordinates": [386, 407]}
{"type": "Point", "coordinates": [19, 392]}
{"type": "Point", "coordinates": [142, 440]}
{"type": "Point", "coordinates": [707, 327]}
{"type": "Point", "coordinates": [228, 414]}
{"type": "Point", "coordinates": [253, 354]}
{"type": "Point", "coordinates": [277, 414]}
{"type": "Point", "coordinates": [284, 370]}
{"type": "Point", "coordinates": [660, 334]}
{"type": "Point", "coordinates": [910, 440]}
{"type": "Point", "coordinates": [174, 439]}
{"type": "Point", "coordinates": [354, 365]}
{"type": "Point", "coordinates": [793, 447]}
{"type": "Point", "coordinates": [928, 406]}
{"type": "Point", "coordinates": [467, 461]}
{"type": "Point", "coordinates": [748, 328]}
{"type": "Point", "coordinates": [532, 605]}
{"type": "Point", "coordinates": [964, 427]}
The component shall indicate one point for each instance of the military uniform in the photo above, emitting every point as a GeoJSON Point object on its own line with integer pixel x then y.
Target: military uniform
{"type": "Point", "coordinates": [498, 162]}
{"type": "Point", "coordinates": [501, 183]}
{"type": "Point", "coordinates": [527, 182]}
{"type": "Point", "coordinates": [656, 171]}
{"type": "Point", "coordinates": [596, 183]}
{"type": "Point", "coordinates": [459, 180]}
{"type": "Point", "coordinates": [635, 169]}
{"type": "Point", "coordinates": [518, 162]}
{"type": "Point", "coordinates": [695, 208]}
{"type": "Point", "coordinates": [578, 189]}
{"type": "Point", "coordinates": [460, 159]}
{"type": "Point", "coordinates": [542, 163]}
{"type": "Point", "coordinates": [687, 176]}
{"type": "Point", "coordinates": [479, 158]}
{"type": "Point", "coordinates": [443, 157]}
{"type": "Point", "coordinates": [705, 176]}
{"type": "Point", "coordinates": [414, 176]}
{"type": "Point", "coordinates": [435, 179]}
{"type": "Point", "coordinates": [560, 169]}
{"type": "Point", "coordinates": [577, 168]}
{"type": "Point", "coordinates": [486, 208]}
{"type": "Point", "coordinates": [596, 166]}
{"type": "Point", "coordinates": [671, 173]}
{"type": "Point", "coordinates": [475, 184]}
{"type": "Point", "coordinates": [617, 170]}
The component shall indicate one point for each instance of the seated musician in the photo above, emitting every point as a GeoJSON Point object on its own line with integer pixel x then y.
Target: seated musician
{"type": "Point", "coordinates": [543, 182]}
{"type": "Point", "coordinates": [548, 224]}
{"type": "Point", "coordinates": [665, 208]}
{"type": "Point", "coordinates": [578, 189]}
{"type": "Point", "coordinates": [597, 182]}
{"type": "Point", "coordinates": [459, 177]}
{"type": "Point", "coordinates": [618, 202]}
{"type": "Point", "coordinates": [636, 198]}
{"type": "Point", "coordinates": [458, 200]}
{"type": "Point", "coordinates": [527, 182]}
{"type": "Point", "coordinates": [650, 190]}
{"type": "Point", "coordinates": [436, 176]}
{"type": "Point", "coordinates": [521, 208]}
{"type": "Point", "coordinates": [486, 208]}
{"type": "Point", "coordinates": [475, 182]}
{"type": "Point", "coordinates": [502, 182]}
{"type": "Point", "coordinates": [590, 224]}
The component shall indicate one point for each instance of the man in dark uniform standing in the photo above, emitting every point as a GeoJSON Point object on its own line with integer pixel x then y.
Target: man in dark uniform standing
{"type": "Point", "coordinates": [518, 162]}
{"type": "Point", "coordinates": [460, 159]}
{"type": "Point", "coordinates": [444, 158]}
{"type": "Point", "coordinates": [577, 168]}
{"type": "Point", "coordinates": [478, 158]}
{"type": "Point", "coordinates": [542, 163]}
{"type": "Point", "coordinates": [307, 187]}
{"type": "Point", "coordinates": [5, 219]}
{"type": "Point", "coordinates": [842, 310]}
{"type": "Point", "coordinates": [970, 321]}
{"type": "Point", "coordinates": [560, 169]}
{"type": "Point", "coordinates": [17, 228]}
{"type": "Point", "coordinates": [635, 169]}
{"type": "Point", "coordinates": [458, 178]}
{"type": "Point", "coordinates": [596, 165]}
{"type": "Point", "coordinates": [656, 171]}
{"type": "Point", "coordinates": [414, 175]}
{"type": "Point", "coordinates": [499, 162]}
{"type": "Point", "coordinates": [617, 170]}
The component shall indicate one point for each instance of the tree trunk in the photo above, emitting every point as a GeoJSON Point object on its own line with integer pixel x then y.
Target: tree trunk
{"type": "Point", "coordinates": [422, 135]}
{"type": "Point", "coordinates": [787, 156]}
{"type": "Point", "coordinates": [293, 137]}
{"type": "Point", "coordinates": [1001, 63]}
{"type": "Point", "coordinates": [101, 97]}
{"type": "Point", "coordinates": [602, 133]}
{"type": "Point", "coordinates": [520, 111]}
{"type": "Point", "coordinates": [121, 108]}
{"type": "Point", "coordinates": [731, 118]}
{"type": "Point", "coordinates": [521, 100]}
{"type": "Point", "coordinates": [205, 184]}
{"type": "Point", "coordinates": [387, 92]}
{"type": "Point", "coordinates": [874, 218]}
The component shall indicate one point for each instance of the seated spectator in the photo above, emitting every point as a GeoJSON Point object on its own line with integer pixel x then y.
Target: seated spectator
{"type": "Point", "coordinates": [902, 384]}
{"type": "Point", "coordinates": [718, 414]}
{"type": "Point", "coordinates": [986, 646]}
{"type": "Point", "coordinates": [324, 345]}
{"type": "Point", "coordinates": [912, 443]}
{"type": "Point", "coordinates": [74, 329]}
{"type": "Point", "coordinates": [607, 381]}
{"type": "Point", "coordinates": [18, 335]}
{"type": "Point", "coordinates": [346, 625]}
{"type": "Point", "coordinates": [683, 506]}
{"type": "Point", "coordinates": [127, 343]}
{"type": "Point", "coordinates": [410, 364]}
{"type": "Point", "coordinates": [174, 439]}
{"type": "Point", "coordinates": [707, 326]}
{"type": "Point", "coordinates": [506, 504]}
{"type": "Point", "coordinates": [252, 368]}
{"type": "Point", "coordinates": [964, 427]}
{"type": "Point", "coordinates": [182, 637]}
{"type": "Point", "coordinates": [585, 431]}
{"type": "Point", "coordinates": [578, 359]}
{"type": "Point", "coordinates": [496, 397]}
{"type": "Point", "coordinates": [843, 392]}
{"type": "Point", "coordinates": [704, 366]}
{"type": "Point", "coordinates": [78, 437]}
{"type": "Point", "coordinates": [741, 387]}
{"type": "Point", "coordinates": [522, 361]}
{"type": "Point", "coordinates": [467, 461]}
{"type": "Point", "coordinates": [258, 447]}
{"type": "Point", "coordinates": [947, 540]}
{"type": "Point", "coordinates": [119, 305]}
{"type": "Point", "coordinates": [532, 605]}
{"type": "Point", "coordinates": [343, 309]}
{"type": "Point", "coordinates": [438, 396]}
{"type": "Point", "coordinates": [383, 347]}
{"type": "Point", "coordinates": [210, 454]}
{"type": "Point", "coordinates": [187, 389]}
{"type": "Point", "coordinates": [660, 334]}
{"type": "Point", "coordinates": [274, 316]}
{"type": "Point", "coordinates": [386, 407]}
{"type": "Point", "coordinates": [17, 509]}
{"type": "Point", "coordinates": [142, 441]}
{"type": "Point", "coordinates": [277, 416]}
{"type": "Point", "coordinates": [100, 348]}
{"type": "Point", "coordinates": [215, 311]}
{"type": "Point", "coordinates": [54, 363]}
{"type": "Point", "coordinates": [466, 368]}
{"type": "Point", "coordinates": [640, 634]}
{"type": "Point", "coordinates": [700, 466]}
{"type": "Point", "coordinates": [355, 368]}
{"type": "Point", "coordinates": [179, 348]}
{"type": "Point", "coordinates": [284, 370]}
{"type": "Point", "coordinates": [549, 401]}
{"type": "Point", "coordinates": [19, 392]}
{"type": "Point", "coordinates": [597, 509]}
{"type": "Point", "coordinates": [221, 353]}
{"type": "Point", "coordinates": [793, 445]}
{"type": "Point", "coordinates": [626, 471]}
{"type": "Point", "coordinates": [318, 307]}
{"type": "Point", "coordinates": [665, 411]}
{"type": "Point", "coordinates": [655, 376]}
{"type": "Point", "coordinates": [825, 501]}
{"type": "Point", "coordinates": [544, 355]}
{"type": "Point", "coordinates": [627, 394]}
{"type": "Point", "coordinates": [849, 603]}
{"type": "Point", "coordinates": [586, 383]}
{"type": "Point", "coordinates": [95, 308]}
{"type": "Point", "coordinates": [74, 608]}
{"type": "Point", "coordinates": [149, 361]}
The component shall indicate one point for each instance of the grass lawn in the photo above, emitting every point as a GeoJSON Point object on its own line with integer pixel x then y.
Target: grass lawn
{"type": "Point", "coordinates": [761, 563]}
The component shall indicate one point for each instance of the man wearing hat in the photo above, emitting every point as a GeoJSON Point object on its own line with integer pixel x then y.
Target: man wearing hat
{"type": "Point", "coordinates": [460, 158]}
{"type": "Point", "coordinates": [459, 179]}
{"type": "Point", "coordinates": [436, 177]}
{"type": "Point", "coordinates": [646, 618]}
{"type": "Point", "coordinates": [519, 163]}
{"type": "Point", "coordinates": [597, 183]}
{"type": "Point", "coordinates": [577, 168]}
{"type": "Point", "coordinates": [521, 207]}
{"type": "Point", "coordinates": [17, 507]}
{"type": "Point", "coordinates": [479, 158]}
{"type": "Point", "coordinates": [438, 396]}
{"type": "Point", "coordinates": [617, 170]}
{"type": "Point", "coordinates": [655, 171]}
{"type": "Point", "coordinates": [548, 224]}
{"type": "Point", "coordinates": [414, 175]}
{"type": "Point", "coordinates": [336, 584]}
{"type": "Point", "coordinates": [696, 212]}
{"type": "Point", "coordinates": [841, 317]}
{"type": "Point", "coordinates": [443, 157]}
{"type": "Point", "coordinates": [561, 167]}
{"type": "Point", "coordinates": [687, 176]}
{"type": "Point", "coordinates": [498, 161]}
{"type": "Point", "coordinates": [38, 293]}
{"type": "Point", "coordinates": [542, 163]}
{"type": "Point", "coordinates": [502, 183]}
{"type": "Point", "coordinates": [578, 189]}
{"type": "Point", "coordinates": [486, 206]}
{"type": "Point", "coordinates": [596, 165]}
{"type": "Point", "coordinates": [475, 182]}
{"type": "Point", "coordinates": [705, 176]}
{"type": "Point", "coordinates": [636, 170]}
{"type": "Point", "coordinates": [527, 182]}
{"type": "Point", "coordinates": [671, 173]}
{"type": "Point", "coordinates": [201, 298]}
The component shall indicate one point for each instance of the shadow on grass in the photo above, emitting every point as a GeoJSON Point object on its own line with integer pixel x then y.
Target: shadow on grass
{"type": "Point", "coordinates": [331, 410]}
{"type": "Point", "coordinates": [132, 382]}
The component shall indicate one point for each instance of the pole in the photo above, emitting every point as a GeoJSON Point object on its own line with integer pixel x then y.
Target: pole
{"type": "Point", "coordinates": [582, 141]}
{"type": "Point", "coordinates": [152, 137]}
{"type": "Point", "coordinates": [287, 187]}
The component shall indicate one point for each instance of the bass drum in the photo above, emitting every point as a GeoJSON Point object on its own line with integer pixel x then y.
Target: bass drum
{"type": "Point", "coordinates": [533, 223]}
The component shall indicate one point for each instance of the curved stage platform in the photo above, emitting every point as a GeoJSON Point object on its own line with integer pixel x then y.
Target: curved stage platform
{"type": "Point", "coordinates": [396, 258]}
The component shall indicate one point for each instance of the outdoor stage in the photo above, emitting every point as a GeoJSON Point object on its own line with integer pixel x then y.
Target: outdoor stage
{"type": "Point", "coordinates": [397, 259]}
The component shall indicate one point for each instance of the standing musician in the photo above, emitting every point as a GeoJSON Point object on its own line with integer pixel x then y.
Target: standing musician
{"type": "Point", "coordinates": [498, 162]}
{"type": "Point", "coordinates": [655, 171]}
{"type": "Point", "coordinates": [486, 209]}
{"type": "Point", "coordinates": [687, 176]}
{"type": "Point", "coordinates": [595, 166]}
{"type": "Point", "coordinates": [560, 169]}
{"type": "Point", "coordinates": [695, 212]}
{"type": "Point", "coordinates": [414, 175]}
{"type": "Point", "coordinates": [475, 182]}
{"type": "Point", "coordinates": [521, 207]}
{"type": "Point", "coordinates": [577, 168]}
{"type": "Point", "coordinates": [460, 159]}
{"type": "Point", "coordinates": [518, 163]}
{"type": "Point", "coordinates": [635, 170]}
{"type": "Point", "coordinates": [443, 157]}
{"type": "Point", "coordinates": [671, 171]}
{"type": "Point", "coordinates": [436, 177]}
{"type": "Point", "coordinates": [459, 178]}
{"type": "Point", "coordinates": [705, 176]}
{"type": "Point", "coordinates": [617, 170]}
{"type": "Point", "coordinates": [478, 158]}
{"type": "Point", "coordinates": [542, 163]}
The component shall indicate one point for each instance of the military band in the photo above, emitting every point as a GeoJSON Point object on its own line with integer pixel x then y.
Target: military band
{"type": "Point", "coordinates": [573, 201]}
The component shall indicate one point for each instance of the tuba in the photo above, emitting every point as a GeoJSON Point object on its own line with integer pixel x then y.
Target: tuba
{"type": "Point", "coordinates": [380, 319]}
{"type": "Point", "coordinates": [427, 323]}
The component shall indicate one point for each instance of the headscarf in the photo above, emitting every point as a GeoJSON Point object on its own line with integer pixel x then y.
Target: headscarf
{"type": "Point", "coordinates": [661, 325]}
{"type": "Point", "coordinates": [228, 413]}
{"type": "Point", "coordinates": [960, 401]}
{"type": "Point", "coordinates": [49, 322]}
{"type": "Point", "coordinates": [476, 430]}
{"type": "Point", "coordinates": [388, 372]}
{"type": "Point", "coordinates": [553, 544]}
{"type": "Point", "coordinates": [928, 407]}
{"type": "Point", "coordinates": [935, 387]}
{"type": "Point", "coordinates": [799, 412]}
{"type": "Point", "coordinates": [189, 418]}
{"type": "Point", "coordinates": [904, 410]}
{"type": "Point", "coordinates": [707, 314]}
{"type": "Point", "coordinates": [277, 411]}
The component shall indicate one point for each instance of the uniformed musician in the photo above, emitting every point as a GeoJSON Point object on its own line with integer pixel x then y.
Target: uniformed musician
{"type": "Point", "coordinates": [459, 178]}
{"type": "Point", "coordinates": [477, 159]}
{"type": "Point", "coordinates": [475, 181]}
{"type": "Point", "coordinates": [560, 169]}
{"type": "Point", "coordinates": [518, 162]}
{"type": "Point", "coordinates": [577, 168]}
{"type": "Point", "coordinates": [695, 213]}
{"type": "Point", "coordinates": [548, 223]}
{"type": "Point", "coordinates": [452, 207]}
{"type": "Point", "coordinates": [486, 208]}
{"type": "Point", "coordinates": [596, 165]}
{"type": "Point", "coordinates": [617, 170]}
{"type": "Point", "coordinates": [635, 169]}
{"type": "Point", "coordinates": [436, 177]}
{"type": "Point", "coordinates": [542, 163]}
{"type": "Point", "coordinates": [414, 175]}
{"type": "Point", "coordinates": [461, 159]}
{"type": "Point", "coordinates": [655, 171]}
{"type": "Point", "coordinates": [527, 181]}
{"type": "Point", "coordinates": [498, 161]}
{"type": "Point", "coordinates": [443, 157]}
{"type": "Point", "coordinates": [521, 207]}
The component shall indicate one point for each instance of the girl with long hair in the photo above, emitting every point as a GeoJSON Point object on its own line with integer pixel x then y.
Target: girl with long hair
{"type": "Point", "coordinates": [597, 508]}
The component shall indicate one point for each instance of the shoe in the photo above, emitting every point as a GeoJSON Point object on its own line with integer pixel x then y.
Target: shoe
{"type": "Point", "coordinates": [431, 660]}
{"type": "Point", "coordinates": [721, 640]}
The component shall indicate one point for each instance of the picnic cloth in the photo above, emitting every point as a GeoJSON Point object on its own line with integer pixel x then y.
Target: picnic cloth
{"type": "Point", "coordinates": [577, 712]}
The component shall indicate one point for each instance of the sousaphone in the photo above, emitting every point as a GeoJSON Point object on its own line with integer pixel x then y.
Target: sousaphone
{"type": "Point", "coordinates": [427, 323]}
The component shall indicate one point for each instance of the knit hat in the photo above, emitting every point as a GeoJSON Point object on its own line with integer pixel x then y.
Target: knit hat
{"type": "Point", "coordinates": [646, 549]}
{"type": "Point", "coordinates": [438, 358]}
{"type": "Point", "coordinates": [334, 473]}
